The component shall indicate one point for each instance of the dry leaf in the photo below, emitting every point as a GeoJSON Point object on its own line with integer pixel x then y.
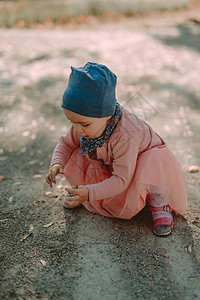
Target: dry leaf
{"type": "Point", "coordinates": [42, 200]}
{"type": "Point", "coordinates": [2, 178]}
{"type": "Point", "coordinates": [47, 193]}
{"type": "Point", "coordinates": [116, 225]}
{"type": "Point", "coordinates": [189, 248]}
{"type": "Point", "coordinates": [167, 256]}
{"type": "Point", "coordinates": [48, 225]}
{"type": "Point", "coordinates": [35, 203]}
{"type": "Point", "coordinates": [59, 186]}
{"type": "Point", "coordinates": [31, 228]}
{"type": "Point", "coordinates": [18, 183]}
{"type": "Point", "coordinates": [43, 262]}
{"type": "Point", "coordinates": [37, 176]}
{"type": "Point", "coordinates": [156, 258]}
{"type": "Point", "coordinates": [26, 133]}
{"type": "Point", "coordinates": [10, 199]}
{"type": "Point", "coordinates": [33, 162]}
{"type": "Point", "coordinates": [193, 169]}
{"type": "Point", "coordinates": [4, 220]}
{"type": "Point", "coordinates": [25, 237]}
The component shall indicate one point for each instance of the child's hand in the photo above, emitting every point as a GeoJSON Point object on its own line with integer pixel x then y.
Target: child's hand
{"type": "Point", "coordinates": [81, 195]}
{"type": "Point", "coordinates": [53, 171]}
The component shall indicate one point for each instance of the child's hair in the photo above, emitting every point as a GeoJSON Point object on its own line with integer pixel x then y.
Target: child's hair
{"type": "Point", "coordinates": [91, 91]}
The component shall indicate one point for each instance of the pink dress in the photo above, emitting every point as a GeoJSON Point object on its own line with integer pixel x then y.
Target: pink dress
{"type": "Point", "coordinates": [133, 162]}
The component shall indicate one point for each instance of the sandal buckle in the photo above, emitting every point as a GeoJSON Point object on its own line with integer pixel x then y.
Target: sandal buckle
{"type": "Point", "coordinates": [166, 208]}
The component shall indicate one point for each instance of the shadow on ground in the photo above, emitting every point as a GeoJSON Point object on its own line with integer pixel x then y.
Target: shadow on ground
{"type": "Point", "coordinates": [184, 36]}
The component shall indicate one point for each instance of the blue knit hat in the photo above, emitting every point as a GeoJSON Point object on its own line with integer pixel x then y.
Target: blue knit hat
{"type": "Point", "coordinates": [91, 91]}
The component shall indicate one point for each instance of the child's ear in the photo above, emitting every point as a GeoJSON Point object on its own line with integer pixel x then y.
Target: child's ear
{"type": "Point", "coordinates": [108, 118]}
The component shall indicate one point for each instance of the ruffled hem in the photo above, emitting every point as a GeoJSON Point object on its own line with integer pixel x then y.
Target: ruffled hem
{"type": "Point", "coordinates": [157, 171]}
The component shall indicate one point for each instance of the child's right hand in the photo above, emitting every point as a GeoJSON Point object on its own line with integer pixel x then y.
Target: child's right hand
{"type": "Point", "coordinates": [53, 171]}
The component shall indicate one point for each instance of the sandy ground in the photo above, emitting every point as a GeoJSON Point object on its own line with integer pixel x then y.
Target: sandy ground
{"type": "Point", "coordinates": [89, 256]}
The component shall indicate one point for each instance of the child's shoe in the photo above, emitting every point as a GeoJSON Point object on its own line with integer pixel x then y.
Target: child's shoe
{"type": "Point", "coordinates": [162, 226]}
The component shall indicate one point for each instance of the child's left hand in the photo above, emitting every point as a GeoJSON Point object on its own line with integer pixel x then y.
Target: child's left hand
{"type": "Point", "coordinates": [81, 195]}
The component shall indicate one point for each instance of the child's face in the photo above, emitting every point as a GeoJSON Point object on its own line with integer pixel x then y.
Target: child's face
{"type": "Point", "coordinates": [87, 127]}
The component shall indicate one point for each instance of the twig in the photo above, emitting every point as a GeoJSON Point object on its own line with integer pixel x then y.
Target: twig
{"type": "Point", "coordinates": [156, 258]}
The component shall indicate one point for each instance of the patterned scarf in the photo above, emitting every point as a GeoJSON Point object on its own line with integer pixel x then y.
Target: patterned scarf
{"type": "Point", "coordinates": [89, 145]}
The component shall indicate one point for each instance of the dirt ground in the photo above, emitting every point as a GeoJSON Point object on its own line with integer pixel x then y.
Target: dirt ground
{"type": "Point", "coordinates": [88, 256]}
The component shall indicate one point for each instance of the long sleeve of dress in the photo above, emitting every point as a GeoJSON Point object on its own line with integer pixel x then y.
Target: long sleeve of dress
{"type": "Point", "coordinates": [66, 145]}
{"type": "Point", "coordinates": [125, 152]}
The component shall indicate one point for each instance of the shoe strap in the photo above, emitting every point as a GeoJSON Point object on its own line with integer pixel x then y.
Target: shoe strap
{"type": "Point", "coordinates": [162, 208]}
{"type": "Point", "coordinates": [163, 221]}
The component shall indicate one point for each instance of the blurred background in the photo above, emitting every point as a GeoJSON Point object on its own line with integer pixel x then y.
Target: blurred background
{"type": "Point", "coordinates": [27, 12]}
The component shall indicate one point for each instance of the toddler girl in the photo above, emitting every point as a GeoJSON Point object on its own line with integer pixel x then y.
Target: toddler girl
{"type": "Point", "coordinates": [115, 159]}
